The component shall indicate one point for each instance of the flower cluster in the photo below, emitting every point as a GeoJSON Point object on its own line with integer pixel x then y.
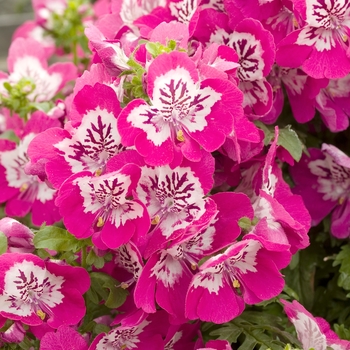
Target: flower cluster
{"type": "Point", "coordinates": [156, 184]}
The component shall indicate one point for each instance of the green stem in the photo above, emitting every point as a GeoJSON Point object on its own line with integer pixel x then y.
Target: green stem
{"type": "Point", "coordinates": [75, 53]}
{"type": "Point", "coordinates": [83, 257]}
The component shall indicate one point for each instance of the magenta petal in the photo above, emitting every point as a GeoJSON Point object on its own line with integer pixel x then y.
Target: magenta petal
{"type": "Point", "coordinates": [114, 238]}
{"type": "Point", "coordinates": [340, 221]}
{"type": "Point", "coordinates": [144, 293]}
{"type": "Point", "coordinates": [171, 296]}
{"type": "Point", "coordinates": [63, 339]}
{"type": "Point", "coordinates": [217, 307]}
{"type": "Point", "coordinates": [330, 64]}
{"type": "Point", "coordinates": [286, 51]}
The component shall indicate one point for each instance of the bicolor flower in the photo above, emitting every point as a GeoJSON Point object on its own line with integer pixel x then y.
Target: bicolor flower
{"type": "Point", "coordinates": [255, 48]}
{"type": "Point", "coordinates": [185, 114]}
{"type": "Point", "coordinates": [168, 273]}
{"type": "Point", "coordinates": [103, 207]}
{"type": "Point", "coordinates": [245, 273]}
{"type": "Point", "coordinates": [19, 236]}
{"type": "Point", "coordinates": [129, 258]}
{"type": "Point", "coordinates": [175, 199]}
{"type": "Point", "coordinates": [88, 142]}
{"type": "Point", "coordinates": [27, 60]}
{"type": "Point", "coordinates": [144, 334]}
{"type": "Point", "coordinates": [323, 180]}
{"type": "Point", "coordinates": [320, 46]}
{"type": "Point", "coordinates": [34, 291]}
{"type": "Point", "coordinates": [333, 104]}
{"type": "Point", "coordinates": [313, 332]}
{"type": "Point", "coordinates": [24, 193]}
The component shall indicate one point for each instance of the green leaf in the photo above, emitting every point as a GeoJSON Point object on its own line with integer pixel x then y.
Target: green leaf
{"type": "Point", "coordinates": [249, 342]}
{"type": "Point", "coordinates": [9, 135]}
{"type": "Point", "coordinates": [229, 332]}
{"type": "Point", "coordinates": [342, 331]}
{"type": "Point", "coordinates": [69, 257]}
{"type": "Point", "coordinates": [104, 288]}
{"type": "Point", "coordinates": [3, 243]}
{"type": "Point", "coordinates": [256, 329]}
{"type": "Point", "coordinates": [93, 259]}
{"type": "Point", "coordinates": [301, 278]}
{"type": "Point", "coordinates": [153, 48]}
{"type": "Point", "coordinates": [7, 86]}
{"type": "Point", "coordinates": [100, 328]}
{"type": "Point", "coordinates": [268, 131]}
{"type": "Point", "coordinates": [343, 259]}
{"type": "Point", "coordinates": [58, 239]}
{"type": "Point", "coordinates": [290, 141]}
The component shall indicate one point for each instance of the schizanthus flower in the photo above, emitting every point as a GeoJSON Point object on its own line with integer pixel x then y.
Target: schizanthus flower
{"type": "Point", "coordinates": [34, 291]}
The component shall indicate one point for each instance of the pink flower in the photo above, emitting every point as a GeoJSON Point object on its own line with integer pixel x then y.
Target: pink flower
{"type": "Point", "coordinates": [245, 273]}
{"type": "Point", "coordinates": [27, 59]}
{"type": "Point", "coordinates": [175, 200]}
{"type": "Point", "coordinates": [14, 334]}
{"type": "Point", "coordinates": [323, 180]}
{"type": "Point", "coordinates": [333, 104]}
{"type": "Point", "coordinates": [320, 46]}
{"type": "Point", "coordinates": [168, 273]}
{"type": "Point", "coordinates": [216, 345]}
{"type": "Point", "coordinates": [256, 54]}
{"type": "Point", "coordinates": [142, 334]}
{"type": "Point", "coordinates": [86, 144]}
{"type": "Point", "coordinates": [19, 236]}
{"type": "Point", "coordinates": [186, 114]}
{"type": "Point", "coordinates": [313, 332]}
{"type": "Point", "coordinates": [35, 291]}
{"type": "Point", "coordinates": [103, 206]}
{"type": "Point", "coordinates": [25, 193]}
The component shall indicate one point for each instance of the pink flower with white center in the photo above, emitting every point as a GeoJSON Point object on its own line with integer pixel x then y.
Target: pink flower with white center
{"type": "Point", "coordinates": [110, 51]}
{"type": "Point", "coordinates": [35, 291]}
{"type": "Point", "coordinates": [168, 273]}
{"type": "Point", "coordinates": [45, 9]}
{"type": "Point", "coordinates": [320, 46]}
{"type": "Point", "coordinates": [103, 207]}
{"type": "Point", "coordinates": [175, 199]}
{"type": "Point", "coordinates": [19, 236]}
{"type": "Point", "coordinates": [256, 53]}
{"type": "Point", "coordinates": [245, 273]}
{"type": "Point", "coordinates": [284, 220]}
{"type": "Point", "coordinates": [27, 59]}
{"type": "Point", "coordinates": [185, 114]}
{"type": "Point", "coordinates": [89, 141]}
{"type": "Point", "coordinates": [323, 180]}
{"type": "Point", "coordinates": [129, 258]}
{"type": "Point", "coordinates": [144, 334]}
{"type": "Point", "coordinates": [24, 193]}
{"type": "Point", "coordinates": [333, 104]}
{"type": "Point", "coordinates": [313, 332]}
{"type": "Point", "coordinates": [31, 29]}
{"type": "Point", "coordinates": [301, 90]}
